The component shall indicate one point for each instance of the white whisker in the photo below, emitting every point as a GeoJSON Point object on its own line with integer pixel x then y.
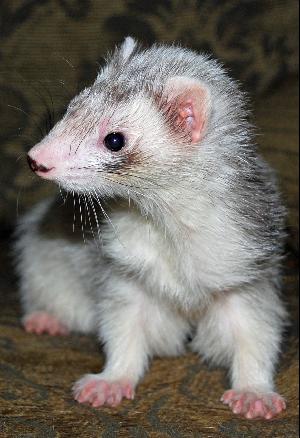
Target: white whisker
{"type": "Point", "coordinates": [106, 216]}
{"type": "Point", "coordinates": [95, 216]}
{"type": "Point", "coordinates": [81, 218]}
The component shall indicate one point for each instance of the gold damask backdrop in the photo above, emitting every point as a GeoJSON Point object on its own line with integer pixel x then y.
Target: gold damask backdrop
{"type": "Point", "coordinates": [52, 48]}
{"type": "Point", "coordinates": [49, 49]}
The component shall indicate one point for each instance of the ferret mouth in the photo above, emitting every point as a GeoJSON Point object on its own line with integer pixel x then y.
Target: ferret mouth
{"type": "Point", "coordinates": [45, 173]}
{"type": "Point", "coordinates": [61, 176]}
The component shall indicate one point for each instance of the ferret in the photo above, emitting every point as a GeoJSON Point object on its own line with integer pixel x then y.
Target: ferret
{"type": "Point", "coordinates": [185, 228]}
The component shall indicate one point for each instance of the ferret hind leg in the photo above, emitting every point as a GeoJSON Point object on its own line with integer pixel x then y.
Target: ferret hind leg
{"type": "Point", "coordinates": [54, 297]}
{"type": "Point", "coordinates": [242, 330]}
{"type": "Point", "coordinates": [133, 328]}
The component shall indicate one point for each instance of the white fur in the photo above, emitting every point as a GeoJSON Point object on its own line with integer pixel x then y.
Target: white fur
{"type": "Point", "coordinates": [194, 245]}
{"type": "Point", "coordinates": [128, 47]}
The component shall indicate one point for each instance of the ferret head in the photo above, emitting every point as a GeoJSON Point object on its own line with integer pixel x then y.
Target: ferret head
{"type": "Point", "coordinates": [144, 126]}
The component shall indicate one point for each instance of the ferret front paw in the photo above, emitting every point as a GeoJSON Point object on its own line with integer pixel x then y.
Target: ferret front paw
{"type": "Point", "coordinates": [42, 322]}
{"type": "Point", "coordinates": [254, 405]}
{"type": "Point", "coordinates": [95, 390]}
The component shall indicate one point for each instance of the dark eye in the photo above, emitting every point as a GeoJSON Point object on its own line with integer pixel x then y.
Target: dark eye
{"type": "Point", "coordinates": [114, 141]}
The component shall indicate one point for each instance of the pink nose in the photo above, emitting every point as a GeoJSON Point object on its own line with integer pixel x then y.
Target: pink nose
{"type": "Point", "coordinates": [36, 167]}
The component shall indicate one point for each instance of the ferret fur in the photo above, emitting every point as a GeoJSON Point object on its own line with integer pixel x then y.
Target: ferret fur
{"type": "Point", "coordinates": [190, 232]}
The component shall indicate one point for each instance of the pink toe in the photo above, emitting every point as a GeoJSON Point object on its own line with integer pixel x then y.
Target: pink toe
{"type": "Point", "coordinates": [129, 392]}
{"type": "Point", "coordinates": [237, 407]}
{"type": "Point", "coordinates": [227, 396]}
{"type": "Point", "coordinates": [249, 415]}
{"type": "Point", "coordinates": [259, 408]}
{"type": "Point", "coordinates": [110, 401]}
{"type": "Point", "coordinates": [99, 401]}
{"type": "Point", "coordinates": [278, 404]}
{"type": "Point", "coordinates": [80, 398]}
{"type": "Point", "coordinates": [269, 415]}
{"type": "Point", "coordinates": [39, 330]}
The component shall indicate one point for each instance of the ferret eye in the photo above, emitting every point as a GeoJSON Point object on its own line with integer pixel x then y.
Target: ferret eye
{"type": "Point", "coordinates": [114, 141]}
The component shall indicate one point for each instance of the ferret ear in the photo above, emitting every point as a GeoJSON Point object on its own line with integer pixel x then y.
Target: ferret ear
{"type": "Point", "coordinates": [127, 48]}
{"type": "Point", "coordinates": [189, 105]}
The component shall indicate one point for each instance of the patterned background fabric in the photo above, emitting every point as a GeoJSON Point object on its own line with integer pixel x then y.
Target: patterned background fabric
{"type": "Point", "coordinates": [49, 49]}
